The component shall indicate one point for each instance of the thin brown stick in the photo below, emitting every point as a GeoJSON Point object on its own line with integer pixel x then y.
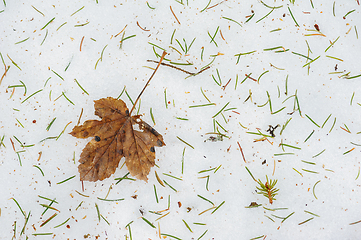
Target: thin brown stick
{"type": "Point", "coordinates": [81, 43]}
{"type": "Point", "coordinates": [146, 85]}
{"type": "Point", "coordinates": [142, 28]}
{"type": "Point", "coordinates": [174, 14]}
{"type": "Point", "coordinates": [182, 70]}
{"type": "Point", "coordinates": [240, 148]}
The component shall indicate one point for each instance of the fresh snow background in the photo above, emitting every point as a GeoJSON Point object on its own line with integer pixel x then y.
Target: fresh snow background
{"type": "Point", "coordinates": [320, 94]}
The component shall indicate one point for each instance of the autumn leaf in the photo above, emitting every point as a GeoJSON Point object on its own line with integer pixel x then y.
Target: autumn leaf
{"type": "Point", "coordinates": [114, 137]}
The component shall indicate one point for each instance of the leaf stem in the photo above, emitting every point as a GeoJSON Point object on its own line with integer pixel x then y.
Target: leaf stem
{"type": "Point", "coordinates": [161, 59]}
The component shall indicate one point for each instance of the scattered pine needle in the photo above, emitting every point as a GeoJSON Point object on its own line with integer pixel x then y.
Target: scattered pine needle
{"type": "Point", "coordinates": [240, 148]}
{"type": "Point", "coordinates": [174, 14]}
{"type": "Point", "coordinates": [249, 76]}
{"type": "Point", "coordinates": [81, 114]}
{"type": "Point", "coordinates": [185, 71]}
{"type": "Point", "coordinates": [140, 28]}
{"type": "Point", "coordinates": [123, 30]}
{"type": "Point", "coordinates": [345, 129]}
{"type": "Point", "coordinates": [81, 43]}
{"type": "Point", "coordinates": [220, 31]}
{"type": "Point", "coordinates": [6, 70]}
{"type": "Point", "coordinates": [224, 87]}
{"type": "Point", "coordinates": [216, 5]}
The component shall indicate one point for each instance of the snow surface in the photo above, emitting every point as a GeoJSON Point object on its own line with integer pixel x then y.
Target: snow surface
{"type": "Point", "coordinates": [335, 199]}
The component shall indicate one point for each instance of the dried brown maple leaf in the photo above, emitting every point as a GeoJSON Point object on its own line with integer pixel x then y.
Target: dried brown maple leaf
{"type": "Point", "coordinates": [114, 138]}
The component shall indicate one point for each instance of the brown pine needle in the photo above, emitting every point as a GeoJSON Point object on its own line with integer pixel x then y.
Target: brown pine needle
{"type": "Point", "coordinates": [174, 14]}
{"type": "Point", "coordinates": [6, 70]}
{"type": "Point", "coordinates": [141, 27]}
{"type": "Point", "coordinates": [260, 139]}
{"type": "Point", "coordinates": [220, 31]}
{"type": "Point", "coordinates": [46, 221]}
{"type": "Point", "coordinates": [122, 31]}
{"type": "Point", "coordinates": [40, 153]}
{"type": "Point", "coordinates": [240, 148]}
{"type": "Point", "coordinates": [81, 43]}
{"type": "Point", "coordinates": [249, 76]}
{"type": "Point", "coordinates": [345, 129]}
{"type": "Point", "coordinates": [12, 143]}
{"type": "Point", "coordinates": [269, 141]}
{"type": "Point", "coordinates": [349, 30]}
{"type": "Point", "coordinates": [81, 114]}
{"type": "Point", "coordinates": [315, 34]}
{"type": "Point", "coordinates": [224, 87]}
{"type": "Point", "coordinates": [216, 4]}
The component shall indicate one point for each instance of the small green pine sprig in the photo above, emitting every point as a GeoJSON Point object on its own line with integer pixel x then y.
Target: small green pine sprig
{"type": "Point", "coordinates": [268, 189]}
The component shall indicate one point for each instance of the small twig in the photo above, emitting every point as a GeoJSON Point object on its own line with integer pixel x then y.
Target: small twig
{"type": "Point", "coordinates": [190, 73]}
{"type": "Point", "coordinates": [146, 85]}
